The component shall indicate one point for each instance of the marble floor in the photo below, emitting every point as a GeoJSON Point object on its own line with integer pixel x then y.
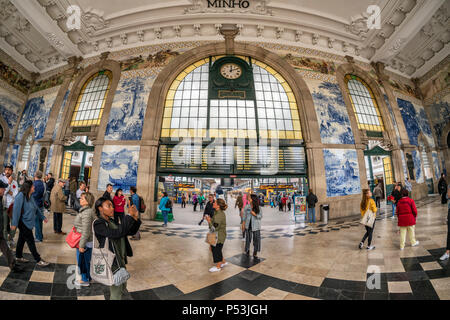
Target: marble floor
{"type": "Point", "coordinates": [296, 263]}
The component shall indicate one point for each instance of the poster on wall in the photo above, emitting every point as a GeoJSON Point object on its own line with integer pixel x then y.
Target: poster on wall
{"type": "Point", "coordinates": [299, 209]}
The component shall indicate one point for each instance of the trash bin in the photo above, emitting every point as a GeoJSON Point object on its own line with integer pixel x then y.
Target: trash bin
{"type": "Point", "coordinates": [324, 212]}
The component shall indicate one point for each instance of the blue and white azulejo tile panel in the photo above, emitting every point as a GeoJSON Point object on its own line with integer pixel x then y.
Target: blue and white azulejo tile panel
{"type": "Point", "coordinates": [36, 113]}
{"type": "Point", "coordinates": [34, 159]}
{"type": "Point", "coordinates": [437, 169]}
{"type": "Point", "coordinates": [416, 121]}
{"type": "Point", "coordinates": [118, 166]}
{"type": "Point", "coordinates": [61, 111]}
{"type": "Point", "coordinates": [14, 155]}
{"type": "Point", "coordinates": [417, 166]}
{"type": "Point", "coordinates": [440, 116]}
{"type": "Point", "coordinates": [9, 109]}
{"type": "Point", "coordinates": [341, 172]}
{"type": "Point", "coordinates": [127, 114]}
{"type": "Point", "coordinates": [49, 159]}
{"type": "Point", "coordinates": [332, 116]}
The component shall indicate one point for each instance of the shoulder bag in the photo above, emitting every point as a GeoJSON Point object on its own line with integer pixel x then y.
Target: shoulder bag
{"type": "Point", "coordinates": [101, 265]}
{"type": "Point", "coordinates": [368, 219]}
{"type": "Point", "coordinates": [73, 238]}
{"type": "Point", "coordinates": [212, 237]}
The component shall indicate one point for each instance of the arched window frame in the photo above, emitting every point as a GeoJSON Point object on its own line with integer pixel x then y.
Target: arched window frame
{"type": "Point", "coordinates": [356, 105]}
{"type": "Point", "coordinates": [293, 134]}
{"type": "Point", "coordinates": [96, 95]}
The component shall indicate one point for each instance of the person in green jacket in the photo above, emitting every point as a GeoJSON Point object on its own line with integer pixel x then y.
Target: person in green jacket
{"type": "Point", "coordinates": [219, 222]}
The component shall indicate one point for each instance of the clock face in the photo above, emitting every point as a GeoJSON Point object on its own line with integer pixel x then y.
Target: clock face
{"type": "Point", "coordinates": [230, 71]}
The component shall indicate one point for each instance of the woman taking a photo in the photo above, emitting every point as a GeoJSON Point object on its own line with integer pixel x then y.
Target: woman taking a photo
{"type": "Point", "coordinates": [252, 219]}
{"type": "Point", "coordinates": [24, 217]}
{"type": "Point", "coordinates": [83, 224]}
{"type": "Point", "coordinates": [367, 203]}
{"type": "Point", "coordinates": [407, 214]}
{"type": "Point", "coordinates": [104, 227]}
{"type": "Point", "coordinates": [119, 206]}
{"type": "Point", "coordinates": [219, 222]}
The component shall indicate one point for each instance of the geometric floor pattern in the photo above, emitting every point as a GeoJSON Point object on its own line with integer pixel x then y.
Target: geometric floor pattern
{"type": "Point", "coordinates": [320, 262]}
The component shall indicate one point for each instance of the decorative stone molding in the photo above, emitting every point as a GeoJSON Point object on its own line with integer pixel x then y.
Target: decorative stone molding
{"type": "Point", "coordinates": [124, 39]}
{"type": "Point", "coordinates": [279, 32]}
{"type": "Point", "coordinates": [197, 28]}
{"type": "Point", "coordinates": [94, 21]}
{"type": "Point", "coordinates": [315, 38]}
{"type": "Point", "coordinates": [158, 33]}
{"type": "Point", "coordinates": [358, 26]}
{"type": "Point", "coordinates": [298, 34]}
{"type": "Point", "coordinates": [256, 7]}
{"type": "Point", "coordinates": [141, 34]}
{"type": "Point", "coordinates": [177, 30]}
{"type": "Point", "coordinates": [259, 30]}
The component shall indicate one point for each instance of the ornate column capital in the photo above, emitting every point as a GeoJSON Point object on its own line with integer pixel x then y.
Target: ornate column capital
{"type": "Point", "coordinates": [229, 32]}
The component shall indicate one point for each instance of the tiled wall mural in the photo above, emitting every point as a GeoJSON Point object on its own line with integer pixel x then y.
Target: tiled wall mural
{"type": "Point", "coordinates": [127, 114]}
{"type": "Point", "coordinates": [9, 109]}
{"type": "Point", "coordinates": [34, 159]}
{"type": "Point", "coordinates": [440, 116]}
{"type": "Point", "coordinates": [61, 111]}
{"type": "Point", "coordinates": [14, 155]}
{"type": "Point", "coordinates": [437, 169]}
{"type": "Point", "coordinates": [331, 111]}
{"type": "Point", "coordinates": [394, 121]}
{"type": "Point", "coordinates": [36, 115]}
{"type": "Point", "coordinates": [118, 166]}
{"type": "Point", "coordinates": [49, 159]}
{"type": "Point", "coordinates": [6, 158]}
{"type": "Point", "coordinates": [341, 172]}
{"type": "Point", "coordinates": [417, 167]}
{"type": "Point", "coordinates": [416, 121]}
{"type": "Point", "coordinates": [405, 167]}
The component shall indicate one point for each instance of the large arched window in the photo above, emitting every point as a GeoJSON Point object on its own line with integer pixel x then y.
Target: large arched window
{"type": "Point", "coordinates": [235, 98]}
{"type": "Point", "coordinates": [364, 104]}
{"type": "Point", "coordinates": [91, 101]}
{"type": "Point", "coordinates": [189, 109]}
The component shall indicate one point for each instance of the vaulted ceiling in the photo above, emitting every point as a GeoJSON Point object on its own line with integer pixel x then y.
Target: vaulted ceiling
{"type": "Point", "coordinates": [413, 36]}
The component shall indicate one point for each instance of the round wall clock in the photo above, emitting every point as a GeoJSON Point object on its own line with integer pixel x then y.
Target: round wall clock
{"type": "Point", "coordinates": [230, 71]}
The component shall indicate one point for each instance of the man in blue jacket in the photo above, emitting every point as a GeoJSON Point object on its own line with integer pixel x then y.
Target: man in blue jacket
{"type": "Point", "coordinates": [38, 195]}
{"type": "Point", "coordinates": [164, 210]}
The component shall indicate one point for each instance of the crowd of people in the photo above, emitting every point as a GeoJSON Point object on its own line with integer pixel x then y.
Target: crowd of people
{"type": "Point", "coordinates": [25, 201]}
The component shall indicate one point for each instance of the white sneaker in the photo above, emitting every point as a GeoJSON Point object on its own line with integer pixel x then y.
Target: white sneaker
{"type": "Point", "coordinates": [43, 263]}
{"type": "Point", "coordinates": [371, 248]}
{"type": "Point", "coordinates": [361, 245]}
{"type": "Point", "coordinates": [415, 244]}
{"type": "Point", "coordinates": [214, 269]}
{"type": "Point", "coordinates": [402, 249]}
{"type": "Point", "coordinates": [82, 284]}
{"type": "Point", "coordinates": [224, 264]}
{"type": "Point", "coordinates": [444, 257]}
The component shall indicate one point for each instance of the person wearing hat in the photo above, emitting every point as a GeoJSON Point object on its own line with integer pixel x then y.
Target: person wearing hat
{"type": "Point", "coordinates": [10, 194]}
{"type": "Point", "coordinates": [58, 206]}
{"type": "Point", "coordinates": [3, 242]}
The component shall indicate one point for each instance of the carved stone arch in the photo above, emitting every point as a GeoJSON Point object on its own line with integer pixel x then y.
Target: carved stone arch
{"type": "Point", "coordinates": [353, 69]}
{"type": "Point", "coordinates": [97, 132]}
{"type": "Point", "coordinates": [156, 102]}
{"type": "Point", "coordinates": [5, 140]}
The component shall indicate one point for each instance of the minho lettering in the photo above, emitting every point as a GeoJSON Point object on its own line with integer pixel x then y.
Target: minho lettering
{"type": "Point", "coordinates": [241, 4]}
{"type": "Point", "coordinates": [199, 310]}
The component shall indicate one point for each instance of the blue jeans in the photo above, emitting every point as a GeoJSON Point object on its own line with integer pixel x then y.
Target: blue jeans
{"type": "Point", "coordinates": [312, 215]}
{"type": "Point", "coordinates": [165, 215]}
{"type": "Point", "coordinates": [38, 226]}
{"type": "Point", "coordinates": [84, 264]}
{"type": "Point", "coordinates": [393, 209]}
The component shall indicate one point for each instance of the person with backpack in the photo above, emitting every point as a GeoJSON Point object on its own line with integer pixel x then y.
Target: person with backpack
{"type": "Point", "coordinates": [311, 200]}
{"type": "Point", "coordinates": [165, 205]}
{"type": "Point", "coordinates": [135, 200]}
{"type": "Point", "coordinates": [104, 227]}
{"type": "Point", "coordinates": [407, 214]}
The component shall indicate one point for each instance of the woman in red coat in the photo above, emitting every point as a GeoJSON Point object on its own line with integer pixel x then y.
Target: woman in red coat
{"type": "Point", "coordinates": [119, 206]}
{"type": "Point", "coordinates": [407, 213]}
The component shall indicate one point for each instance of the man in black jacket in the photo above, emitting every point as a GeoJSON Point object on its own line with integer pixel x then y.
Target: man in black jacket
{"type": "Point", "coordinates": [107, 194]}
{"type": "Point", "coordinates": [311, 199]}
{"type": "Point", "coordinates": [209, 210]}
